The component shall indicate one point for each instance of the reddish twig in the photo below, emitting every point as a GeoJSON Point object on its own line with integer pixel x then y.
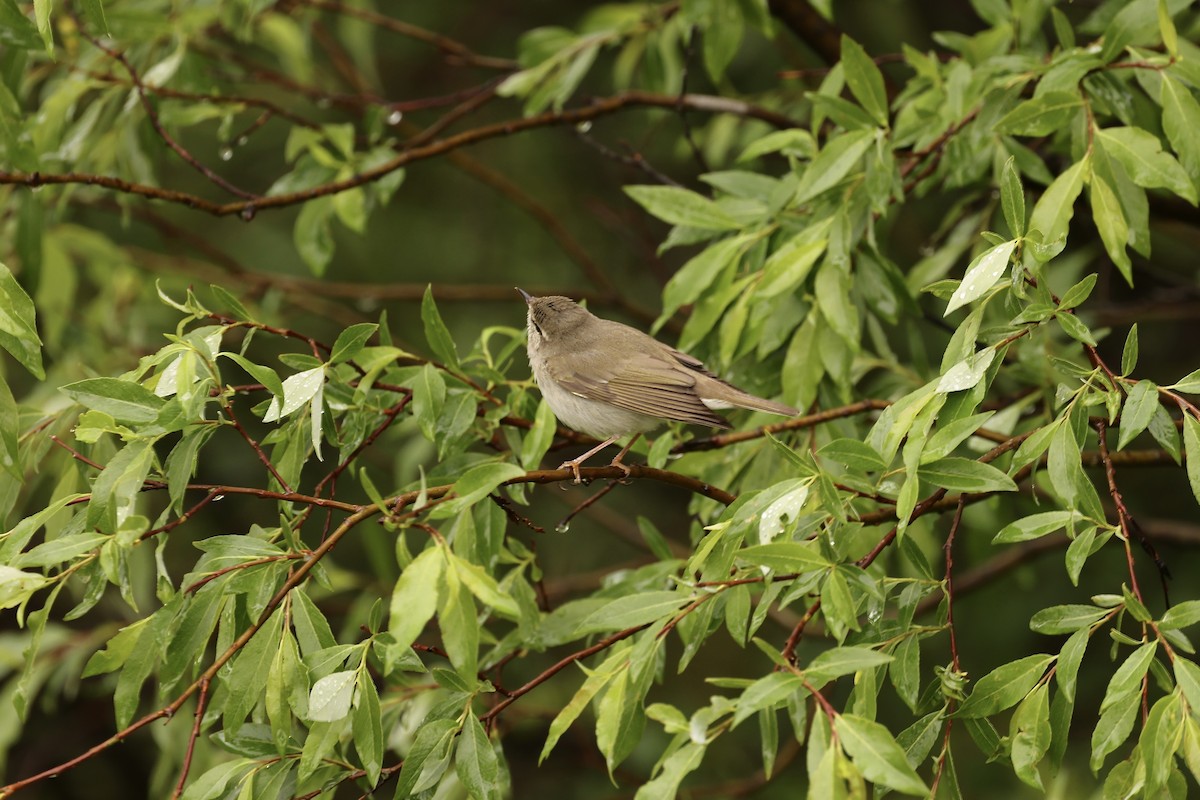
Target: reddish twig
{"type": "Point", "coordinates": [201, 702]}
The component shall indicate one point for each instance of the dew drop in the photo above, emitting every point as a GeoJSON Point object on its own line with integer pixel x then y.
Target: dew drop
{"type": "Point", "coordinates": [395, 117]}
{"type": "Point", "coordinates": [248, 213]}
{"type": "Point", "coordinates": [242, 140]}
{"type": "Point", "coordinates": [584, 126]}
{"type": "Point", "coordinates": [563, 526]}
{"type": "Point", "coordinates": [218, 498]}
{"type": "Point", "coordinates": [226, 153]}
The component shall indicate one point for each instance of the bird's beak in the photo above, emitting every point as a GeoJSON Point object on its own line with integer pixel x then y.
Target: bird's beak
{"type": "Point", "coordinates": [528, 297]}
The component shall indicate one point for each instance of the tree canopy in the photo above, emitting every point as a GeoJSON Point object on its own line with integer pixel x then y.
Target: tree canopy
{"type": "Point", "coordinates": [280, 517]}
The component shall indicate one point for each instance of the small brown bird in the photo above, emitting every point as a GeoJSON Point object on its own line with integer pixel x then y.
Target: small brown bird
{"type": "Point", "coordinates": [609, 380]}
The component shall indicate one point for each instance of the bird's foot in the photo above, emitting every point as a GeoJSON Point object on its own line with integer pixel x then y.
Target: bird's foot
{"type": "Point", "coordinates": [573, 465]}
{"type": "Point", "coordinates": [626, 479]}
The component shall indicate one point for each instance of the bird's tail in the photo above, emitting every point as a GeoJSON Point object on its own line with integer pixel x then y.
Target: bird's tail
{"type": "Point", "coordinates": [726, 396]}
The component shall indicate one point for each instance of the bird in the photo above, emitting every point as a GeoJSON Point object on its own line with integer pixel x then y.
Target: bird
{"type": "Point", "coordinates": [608, 380]}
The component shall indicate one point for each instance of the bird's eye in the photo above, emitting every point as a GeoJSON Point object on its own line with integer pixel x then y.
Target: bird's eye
{"type": "Point", "coordinates": [538, 328]}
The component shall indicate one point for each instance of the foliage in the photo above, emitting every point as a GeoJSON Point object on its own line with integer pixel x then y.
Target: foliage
{"type": "Point", "coordinates": [375, 613]}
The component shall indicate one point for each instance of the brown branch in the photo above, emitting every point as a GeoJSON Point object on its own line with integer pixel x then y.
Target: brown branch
{"type": "Point", "coordinates": [248, 208]}
{"type": "Point", "coordinates": [556, 668]}
{"type": "Point", "coordinates": [152, 115]}
{"type": "Point", "coordinates": [455, 51]}
{"type": "Point", "coordinates": [201, 703]}
{"type": "Point", "coordinates": [799, 423]}
{"type": "Point", "coordinates": [810, 27]}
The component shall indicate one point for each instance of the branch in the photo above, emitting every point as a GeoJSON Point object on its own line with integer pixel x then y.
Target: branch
{"type": "Point", "coordinates": [248, 208]}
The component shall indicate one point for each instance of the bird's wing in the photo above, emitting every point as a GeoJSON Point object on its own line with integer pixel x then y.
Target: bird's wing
{"type": "Point", "coordinates": [647, 383]}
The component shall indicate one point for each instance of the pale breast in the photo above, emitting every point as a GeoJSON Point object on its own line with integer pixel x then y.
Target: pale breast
{"type": "Point", "coordinates": [595, 418]}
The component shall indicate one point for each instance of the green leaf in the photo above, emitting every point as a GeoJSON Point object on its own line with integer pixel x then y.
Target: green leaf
{"type": "Point", "coordinates": [1141, 154]}
{"type": "Point", "coordinates": [484, 587]}
{"type": "Point", "coordinates": [1075, 328]}
{"type": "Point", "coordinates": [540, 437]}
{"type": "Point", "coordinates": [698, 274]}
{"type": "Point", "coordinates": [350, 342]}
{"type": "Point", "coordinates": [1190, 384]}
{"type": "Point", "coordinates": [1069, 658]}
{"type": "Point", "coordinates": [631, 611]}
{"type": "Point", "coordinates": [1129, 354]}
{"type": "Point", "coordinates": [682, 207]}
{"type": "Point", "coordinates": [1114, 726]}
{"type": "Point", "coordinates": [596, 680]}
{"type": "Point", "coordinates": [1191, 444]}
{"type": "Point", "coordinates": [983, 273]}
{"type": "Point", "coordinates": [18, 322]}
{"type": "Point", "coordinates": [784, 557]}
{"type": "Point", "coordinates": [1012, 198]}
{"type": "Point", "coordinates": [436, 332]}
{"type": "Point", "coordinates": [15, 28]}
{"type": "Point", "coordinates": [264, 375]}
{"type": "Point", "coordinates": [865, 80]}
{"type": "Point", "coordinates": [966, 374]}
{"type": "Point", "coordinates": [459, 623]}
{"type": "Point", "coordinates": [414, 599]}
{"type": "Point", "coordinates": [17, 586]}
{"type": "Point", "coordinates": [330, 697]}
{"type": "Point", "coordinates": [1139, 409]}
{"type": "Point", "coordinates": [124, 401]}
{"type": "Point", "coordinates": [768, 693]}
{"type": "Point", "coordinates": [115, 492]}
{"type": "Point", "coordinates": [674, 769]}
{"type": "Point", "coordinates": [1029, 735]}
{"type": "Point", "coordinates": [475, 484]}
{"type": "Point", "coordinates": [857, 455]}
{"type": "Point", "coordinates": [1161, 737]}
{"type": "Point", "coordinates": [966, 475]}
{"type": "Point", "coordinates": [313, 234]}
{"type": "Point", "coordinates": [843, 661]}
{"type": "Point", "coordinates": [429, 398]}
{"type": "Point", "coordinates": [1181, 122]}
{"type": "Point", "coordinates": [475, 761]}
{"type": "Point", "coordinates": [1004, 686]}
{"type": "Point", "coordinates": [1034, 526]}
{"type": "Point", "coordinates": [1181, 615]}
{"type": "Point", "coordinates": [876, 754]}
{"type": "Point", "coordinates": [1065, 619]}
{"type": "Point", "coordinates": [298, 390]}
{"type": "Point", "coordinates": [1041, 116]}
{"type": "Point", "coordinates": [1077, 294]}
{"type": "Point", "coordinates": [833, 163]}
{"type": "Point", "coordinates": [1110, 221]}
{"type": "Point", "coordinates": [1053, 211]}
{"type": "Point", "coordinates": [427, 758]}
{"type": "Point", "coordinates": [1128, 677]}
{"type": "Point", "coordinates": [793, 141]}
{"type": "Point", "coordinates": [1187, 676]}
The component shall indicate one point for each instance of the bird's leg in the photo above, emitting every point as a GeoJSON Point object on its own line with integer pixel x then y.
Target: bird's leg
{"type": "Point", "coordinates": [574, 463]}
{"type": "Point", "coordinates": [616, 462]}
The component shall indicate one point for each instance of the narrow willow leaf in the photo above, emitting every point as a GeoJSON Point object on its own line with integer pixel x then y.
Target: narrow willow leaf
{"type": "Point", "coordinates": [865, 80]}
{"type": "Point", "coordinates": [436, 332]}
{"type": "Point", "coordinates": [983, 273]}
{"type": "Point", "coordinates": [1140, 405]}
{"type": "Point", "coordinates": [875, 752]}
{"type": "Point", "coordinates": [1034, 526]}
{"type": "Point", "coordinates": [1012, 198]}
{"type": "Point", "coordinates": [1191, 442]}
{"type": "Point", "coordinates": [1065, 619]}
{"type": "Point", "coordinates": [682, 207]}
{"type": "Point", "coordinates": [1042, 115]}
{"type": "Point", "coordinates": [1053, 211]}
{"type": "Point", "coordinates": [1129, 354]}
{"type": "Point", "coordinates": [1004, 686]}
{"type": "Point", "coordinates": [414, 599]}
